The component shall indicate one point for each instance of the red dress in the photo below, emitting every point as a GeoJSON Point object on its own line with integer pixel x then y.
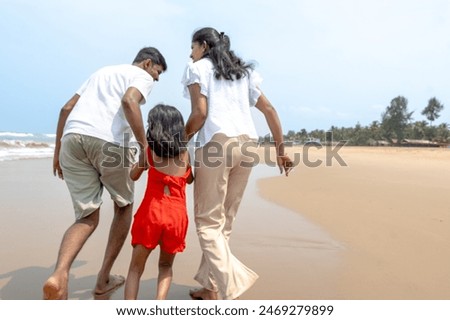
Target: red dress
{"type": "Point", "coordinates": [162, 216]}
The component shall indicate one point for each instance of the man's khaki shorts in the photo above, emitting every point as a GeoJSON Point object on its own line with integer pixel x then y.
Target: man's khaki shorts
{"type": "Point", "coordinates": [88, 165]}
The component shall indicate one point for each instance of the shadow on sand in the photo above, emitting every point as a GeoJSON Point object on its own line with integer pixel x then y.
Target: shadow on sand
{"type": "Point", "coordinates": [26, 284]}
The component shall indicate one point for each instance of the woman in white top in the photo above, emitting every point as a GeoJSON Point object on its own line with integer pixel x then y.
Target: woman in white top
{"type": "Point", "coordinates": [222, 88]}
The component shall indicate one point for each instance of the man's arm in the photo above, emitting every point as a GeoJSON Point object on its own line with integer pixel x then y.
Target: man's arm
{"type": "Point", "coordinates": [63, 115]}
{"type": "Point", "coordinates": [133, 114]}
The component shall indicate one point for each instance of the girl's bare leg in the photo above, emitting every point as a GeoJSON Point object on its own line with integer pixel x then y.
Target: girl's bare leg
{"type": "Point", "coordinates": [165, 274]}
{"type": "Point", "coordinates": [137, 266]}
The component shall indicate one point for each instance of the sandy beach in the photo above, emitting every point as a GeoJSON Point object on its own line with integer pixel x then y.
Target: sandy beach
{"type": "Point", "coordinates": [389, 208]}
{"type": "Point", "coordinates": [374, 229]}
{"type": "Point", "coordinates": [290, 254]}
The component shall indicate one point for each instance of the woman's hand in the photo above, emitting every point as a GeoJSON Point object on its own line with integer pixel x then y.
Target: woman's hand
{"type": "Point", "coordinates": [285, 164]}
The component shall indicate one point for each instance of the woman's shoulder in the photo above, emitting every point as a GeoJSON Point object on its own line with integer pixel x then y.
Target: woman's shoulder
{"type": "Point", "coordinates": [202, 64]}
{"type": "Point", "coordinates": [197, 72]}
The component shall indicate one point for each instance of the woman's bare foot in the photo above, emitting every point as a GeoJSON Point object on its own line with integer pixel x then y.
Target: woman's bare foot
{"type": "Point", "coordinates": [203, 294]}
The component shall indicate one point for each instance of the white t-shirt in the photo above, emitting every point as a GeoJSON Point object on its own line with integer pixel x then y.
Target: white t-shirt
{"type": "Point", "coordinates": [229, 101]}
{"type": "Point", "coordinates": [98, 112]}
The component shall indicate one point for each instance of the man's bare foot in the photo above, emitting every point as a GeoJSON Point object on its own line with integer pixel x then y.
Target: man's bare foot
{"type": "Point", "coordinates": [203, 294]}
{"type": "Point", "coordinates": [114, 283]}
{"type": "Point", "coordinates": [52, 290]}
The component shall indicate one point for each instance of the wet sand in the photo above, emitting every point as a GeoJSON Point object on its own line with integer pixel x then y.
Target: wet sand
{"type": "Point", "coordinates": [389, 208]}
{"type": "Point", "coordinates": [294, 258]}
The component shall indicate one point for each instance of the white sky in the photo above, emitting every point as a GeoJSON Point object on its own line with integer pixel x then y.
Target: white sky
{"type": "Point", "coordinates": [324, 62]}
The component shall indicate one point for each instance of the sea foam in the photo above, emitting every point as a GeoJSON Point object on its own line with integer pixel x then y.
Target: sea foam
{"type": "Point", "coordinates": [20, 145]}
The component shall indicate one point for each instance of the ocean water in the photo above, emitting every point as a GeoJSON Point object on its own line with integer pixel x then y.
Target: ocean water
{"type": "Point", "coordinates": [21, 145]}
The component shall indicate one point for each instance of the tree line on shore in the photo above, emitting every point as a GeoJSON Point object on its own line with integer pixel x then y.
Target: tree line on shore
{"type": "Point", "coordinates": [394, 128]}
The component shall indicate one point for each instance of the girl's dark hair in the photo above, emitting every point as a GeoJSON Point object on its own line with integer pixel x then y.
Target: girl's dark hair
{"type": "Point", "coordinates": [226, 64]}
{"type": "Point", "coordinates": [165, 133]}
{"type": "Point", "coordinates": [152, 54]}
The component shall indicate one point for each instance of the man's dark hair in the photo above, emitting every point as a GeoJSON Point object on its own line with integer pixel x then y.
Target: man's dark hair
{"type": "Point", "coordinates": [152, 54]}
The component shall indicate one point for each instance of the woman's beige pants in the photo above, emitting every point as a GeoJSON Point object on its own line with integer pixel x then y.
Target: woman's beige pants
{"type": "Point", "coordinates": [222, 170]}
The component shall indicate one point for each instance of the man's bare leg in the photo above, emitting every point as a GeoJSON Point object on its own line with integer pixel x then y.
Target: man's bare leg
{"type": "Point", "coordinates": [118, 232]}
{"type": "Point", "coordinates": [56, 286]}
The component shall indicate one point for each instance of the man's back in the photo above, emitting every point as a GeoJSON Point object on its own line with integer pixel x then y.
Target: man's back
{"type": "Point", "coordinates": [98, 112]}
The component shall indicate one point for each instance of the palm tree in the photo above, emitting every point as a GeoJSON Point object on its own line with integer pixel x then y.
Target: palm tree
{"type": "Point", "coordinates": [375, 130]}
{"type": "Point", "coordinates": [433, 109]}
{"type": "Point", "coordinates": [395, 119]}
{"type": "Point", "coordinates": [443, 133]}
{"type": "Point", "coordinates": [419, 130]}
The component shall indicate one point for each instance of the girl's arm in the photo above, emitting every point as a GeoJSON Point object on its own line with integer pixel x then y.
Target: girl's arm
{"type": "Point", "coordinates": [190, 178]}
{"type": "Point", "coordinates": [140, 166]}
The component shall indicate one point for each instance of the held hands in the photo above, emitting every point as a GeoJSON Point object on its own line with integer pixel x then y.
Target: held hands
{"type": "Point", "coordinates": [143, 158]}
{"type": "Point", "coordinates": [285, 164]}
{"type": "Point", "coordinates": [140, 166]}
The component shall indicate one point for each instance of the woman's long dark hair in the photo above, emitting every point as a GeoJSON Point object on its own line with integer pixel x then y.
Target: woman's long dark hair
{"type": "Point", "coordinates": [226, 64]}
{"type": "Point", "coordinates": [165, 133]}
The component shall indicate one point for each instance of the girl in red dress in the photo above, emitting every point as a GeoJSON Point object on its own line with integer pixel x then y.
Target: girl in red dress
{"type": "Point", "coordinates": [162, 216]}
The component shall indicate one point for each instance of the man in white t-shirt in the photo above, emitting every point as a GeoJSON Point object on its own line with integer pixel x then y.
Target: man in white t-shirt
{"type": "Point", "coordinates": [95, 132]}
